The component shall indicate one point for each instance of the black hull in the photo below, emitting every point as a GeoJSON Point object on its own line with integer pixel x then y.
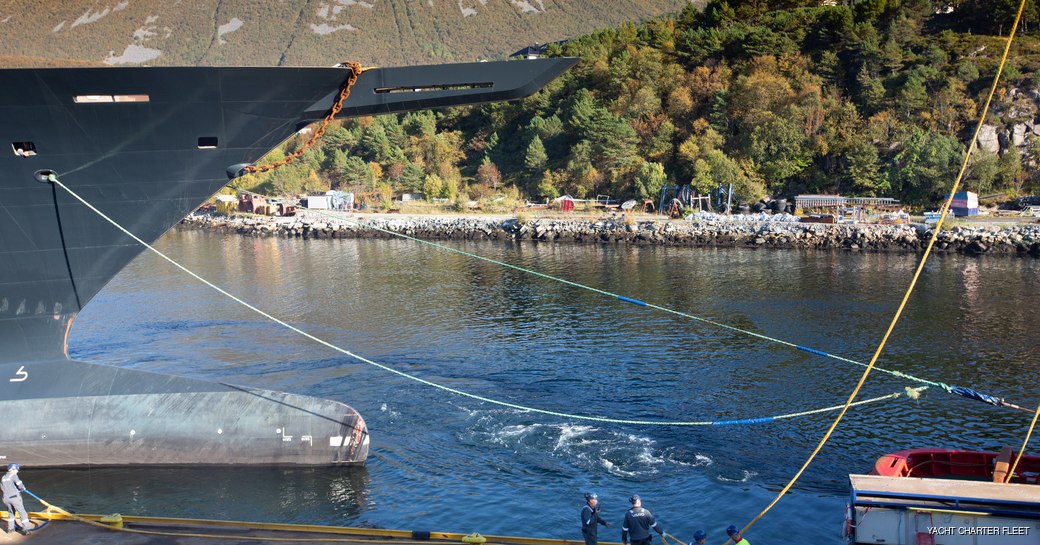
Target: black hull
{"type": "Point", "coordinates": [156, 144]}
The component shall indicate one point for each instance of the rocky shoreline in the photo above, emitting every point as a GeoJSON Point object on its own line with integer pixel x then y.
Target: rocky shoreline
{"type": "Point", "coordinates": [1017, 240]}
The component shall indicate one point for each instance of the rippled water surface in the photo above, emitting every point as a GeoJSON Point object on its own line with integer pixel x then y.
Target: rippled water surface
{"type": "Point", "coordinates": [449, 463]}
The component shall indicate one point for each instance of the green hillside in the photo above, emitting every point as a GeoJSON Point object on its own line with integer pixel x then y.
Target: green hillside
{"type": "Point", "coordinates": [776, 98]}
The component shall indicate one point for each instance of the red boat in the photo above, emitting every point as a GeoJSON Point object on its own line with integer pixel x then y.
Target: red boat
{"type": "Point", "coordinates": [958, 464]}
{"type": "Point", "coordinates": [944, 496]}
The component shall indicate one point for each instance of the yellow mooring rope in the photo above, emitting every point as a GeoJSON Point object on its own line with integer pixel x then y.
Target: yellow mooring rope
{"type": "Point", "coordinates": [913, 281]}
{"type": "Point", "coordinates": [909, 392]}
{"type": "Point", "coordinates": [372, 536]}
{"type": "Point", "coordinates": [54, 509]}
{"type": "Point", "coordinates": [1025, 442]}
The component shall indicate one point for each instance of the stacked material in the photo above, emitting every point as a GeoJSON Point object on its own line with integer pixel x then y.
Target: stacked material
{"type": "Point", "coordinates": [964, 204]}
{"type": "Point", "coordinates": [704, 215]}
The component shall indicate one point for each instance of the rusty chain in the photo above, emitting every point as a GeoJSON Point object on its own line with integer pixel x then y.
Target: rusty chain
{"type": "Point", "coordinates": [355, 71]}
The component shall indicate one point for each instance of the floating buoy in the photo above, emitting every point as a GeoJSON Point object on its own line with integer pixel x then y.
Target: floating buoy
{"type": "Point", "coordinates": [115, 520]}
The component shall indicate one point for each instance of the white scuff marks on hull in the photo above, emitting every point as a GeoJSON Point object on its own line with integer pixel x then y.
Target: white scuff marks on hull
{"type": "Point", "coordinates": [227, 28]}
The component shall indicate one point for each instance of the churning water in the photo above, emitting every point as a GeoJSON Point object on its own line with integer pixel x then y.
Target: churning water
{"type": "Point", "coordinates": [447, 463]}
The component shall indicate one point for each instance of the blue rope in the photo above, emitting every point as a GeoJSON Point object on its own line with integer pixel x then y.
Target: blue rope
{"type": "Point", "coordinates": [46, 522]}
{"type": "Point", "coordinates": [637, 302]}
{"type": "Point", "coordinates": [432, 384]}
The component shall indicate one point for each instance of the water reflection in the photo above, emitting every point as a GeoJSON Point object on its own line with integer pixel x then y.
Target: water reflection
{"type": "Point", "coordinates": [226, 493]}
{"type": "Point", "coordinates": [510, 336]}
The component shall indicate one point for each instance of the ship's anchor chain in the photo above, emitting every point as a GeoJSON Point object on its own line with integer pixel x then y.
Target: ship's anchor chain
{"type": "Point", "coordinates": [344, 93]}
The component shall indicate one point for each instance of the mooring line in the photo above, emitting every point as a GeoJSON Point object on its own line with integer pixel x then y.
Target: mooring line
{"type": "Point", "coordinates": [910, 288]}
{"type": "Point", "coordinates": [53, 178]}
{"type": "Point", "coordinates": [625, 299]}
{"type": "Point", "coordinates": [956, 390]}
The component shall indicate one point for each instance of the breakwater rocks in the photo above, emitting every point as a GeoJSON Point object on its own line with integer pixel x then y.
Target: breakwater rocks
{"type": "Point", "coordinates": [738, 231]}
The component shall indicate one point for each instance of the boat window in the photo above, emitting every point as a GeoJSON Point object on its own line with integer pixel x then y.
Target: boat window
{"type": "Point", "coordinates": [98, 99]}
{"type": "Point", "coordinates": [92, 99]}
{"type": "Point", "coordinates": [207, 142]}
{"type": "Point", "coordinates": [438, 87]}
{"type": "Point", "coordinates": [24, 149]}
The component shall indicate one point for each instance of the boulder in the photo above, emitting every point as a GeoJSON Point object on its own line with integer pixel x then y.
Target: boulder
{"type": "Point", "coordinates": [1018, 134]}
{"type": "Point", "coordinates": [988, 139]}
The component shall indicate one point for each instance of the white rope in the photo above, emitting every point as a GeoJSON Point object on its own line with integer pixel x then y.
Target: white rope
{"type": "Point", "coordinates": [54, 179]}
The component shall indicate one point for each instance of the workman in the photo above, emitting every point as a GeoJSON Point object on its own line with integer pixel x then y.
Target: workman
{"type": "Point", "coordinates": [12, 489]}
{"type": "Point", "coordinates": [590, 518]}
{"type": "Point", "coordinates": [699, 537]}
{"type": "Point", "coordinates": [734, 534]}
{"type": "Point", "coordinates": [638, 522]}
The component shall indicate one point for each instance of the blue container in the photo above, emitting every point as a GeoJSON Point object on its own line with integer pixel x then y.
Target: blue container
{"type": "Point", "coordinates": [962, 212]}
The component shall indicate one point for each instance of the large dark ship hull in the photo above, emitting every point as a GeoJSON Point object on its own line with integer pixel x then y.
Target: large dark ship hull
{"type": "Point", "coordinates": [146, 146]}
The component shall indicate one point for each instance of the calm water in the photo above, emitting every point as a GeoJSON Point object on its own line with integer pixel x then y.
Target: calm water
{"type": "Point", "coordinates": [447, 463]}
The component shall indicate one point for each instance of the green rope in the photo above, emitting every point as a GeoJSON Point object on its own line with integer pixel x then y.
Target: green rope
{"type": "Point", "coordinates": [640, 303]}
{"type": "Point", "coordinates": [54, 179]}
{"type": "Point", "coordinates": [1000, 402]}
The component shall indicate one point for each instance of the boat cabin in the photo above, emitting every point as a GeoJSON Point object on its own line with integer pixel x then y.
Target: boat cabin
{"type": "Point", "coordinates": [914, 511]}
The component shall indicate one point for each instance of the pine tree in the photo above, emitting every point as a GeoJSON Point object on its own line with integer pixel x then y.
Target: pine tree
{"type": "Point", "coordinates": [535, 158]}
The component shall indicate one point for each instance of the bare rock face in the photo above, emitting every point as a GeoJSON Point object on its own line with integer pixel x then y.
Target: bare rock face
{"type": "Point", "coordinates": [1018, 134]}
{"type": "Point", "coordinates": [988, 139]}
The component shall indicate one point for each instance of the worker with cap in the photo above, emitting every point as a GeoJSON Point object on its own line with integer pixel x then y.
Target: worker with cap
{"type": "Point", "coordinates": [699, 537]}
{"type": "Point", "coordinates": [590, 518]}
{"type": "Point", "coordinates": [734, 534]}
{"type": "Point", "coordinates": [11, 487]}
{"type": "Point", "coordinates": [638, 522]}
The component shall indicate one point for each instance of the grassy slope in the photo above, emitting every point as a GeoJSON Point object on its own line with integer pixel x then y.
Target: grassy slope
{"type": "Point", "coordinates": [390, 33]}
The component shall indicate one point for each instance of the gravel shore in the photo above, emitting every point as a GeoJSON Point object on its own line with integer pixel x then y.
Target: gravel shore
{"type": "Point", "coordinates": [736, 231]}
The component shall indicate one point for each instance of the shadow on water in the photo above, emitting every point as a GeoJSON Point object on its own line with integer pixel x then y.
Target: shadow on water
{"type": "Point", "coordinates": [447, 463]}
{"type": "Point", "coordinates": [272, 494]}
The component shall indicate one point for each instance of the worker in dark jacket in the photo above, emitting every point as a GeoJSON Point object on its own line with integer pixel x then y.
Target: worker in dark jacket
{"type": "Point", "coordinates": [734, 534]}
{"type": "Point", "coordinates": [11, 487]}
{"type": "Point", "coordinates": [590, 518]}
{"type": "Point", "coordinates": [638, 522]}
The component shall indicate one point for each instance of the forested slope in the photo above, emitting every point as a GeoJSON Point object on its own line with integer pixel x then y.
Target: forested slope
{"type": "Point", "coordinates": [778, 98]}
